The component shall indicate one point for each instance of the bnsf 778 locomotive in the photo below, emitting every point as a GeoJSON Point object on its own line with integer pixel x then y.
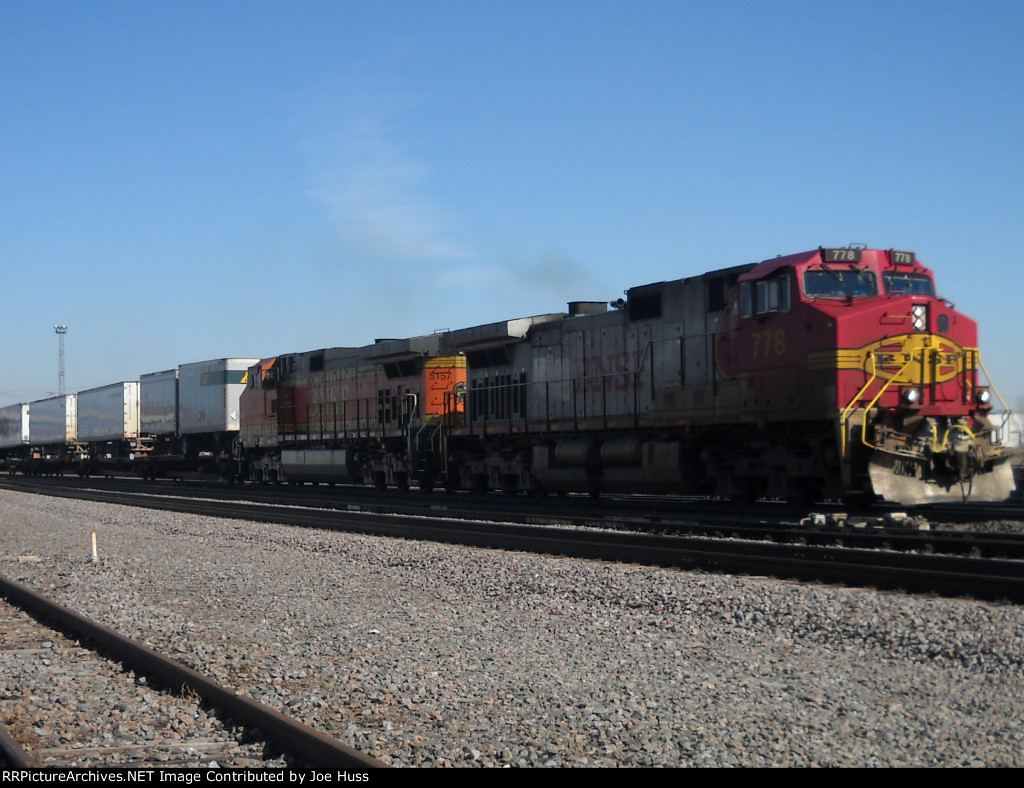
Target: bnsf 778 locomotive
{"type": "Point", "coordinates": [832, 373]}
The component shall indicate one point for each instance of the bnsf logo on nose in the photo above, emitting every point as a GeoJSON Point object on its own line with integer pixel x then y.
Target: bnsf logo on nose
{"type": "Point", "coordinates": [888, 359]}
{"type": "Point", "coordinates": [906, 354]}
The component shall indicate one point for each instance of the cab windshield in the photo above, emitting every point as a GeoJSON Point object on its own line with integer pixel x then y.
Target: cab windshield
{"type": "Point", "coordinates": [844, 283]}
{"type": "Point", "coordinates": [901, 283]}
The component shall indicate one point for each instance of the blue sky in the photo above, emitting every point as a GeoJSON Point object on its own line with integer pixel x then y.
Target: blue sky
{"type": "Point", "coordinates": [193, 180]}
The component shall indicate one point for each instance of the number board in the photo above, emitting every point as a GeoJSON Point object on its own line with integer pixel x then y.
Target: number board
{"type": "Point", "coordinates": [902, 258]}
{"type": "Point", "coordinates": [840, 255]}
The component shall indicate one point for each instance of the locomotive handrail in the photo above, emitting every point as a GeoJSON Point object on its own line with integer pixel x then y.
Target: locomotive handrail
{"type": "Point", "coordinates": [1007, 412]}
{"type": "Point", "coordinates": [881, 391]}
{"type": "Point", "coordinates": [874, 376]}
{"type": "Point", "coordinates": [898, 377]}
{"type": "Point", "coordinates": [992, 386]}
{"type": "Point", "coordinates": [844, 417]}
{"type": "Point", "coordinates": [937, 445]}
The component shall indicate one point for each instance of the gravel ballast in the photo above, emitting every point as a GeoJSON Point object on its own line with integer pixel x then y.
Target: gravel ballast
{"type": "Point", "coordinates": [433, 655]}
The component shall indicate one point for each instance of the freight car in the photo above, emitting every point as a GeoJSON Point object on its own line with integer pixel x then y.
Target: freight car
{"type": "Point", "coordinates": [108, 428]}
{"type": "Point", "coordinates": [177, 422]}
{"type": "Point", "coordinates": [53, 436]}
{"type": "Point", "coordinates": [835, 373]}
{"type": "Point", "coordinates": [14, 437]}
{"type": "Point", "coordinates": [191, 417]}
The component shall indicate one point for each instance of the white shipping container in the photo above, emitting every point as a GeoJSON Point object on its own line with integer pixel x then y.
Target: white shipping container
{"type": "Point", "coordinates": [209, 393]}
{"type": "Point", "coordinates": [14, 425]}
{"type": "Point", "coordinates": [158, 403]}
{"type": "Point", "coordinates": [53, 421]}
{"type": "Point", "coordinates": [109, 413]}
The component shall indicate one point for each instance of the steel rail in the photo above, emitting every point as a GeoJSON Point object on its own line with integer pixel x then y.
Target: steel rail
{"type": "Point", "coordinates": [859, 530]}
{"type": "Point", "coordinates": [296, 737]}
{"type": "Point", "coordinates": [980, 578]}
{"type": "Point", "coordinates": [13, 753]}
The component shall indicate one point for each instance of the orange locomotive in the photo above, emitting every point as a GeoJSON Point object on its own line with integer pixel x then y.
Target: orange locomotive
{"type": "Point", "coordinates": [832, 373]}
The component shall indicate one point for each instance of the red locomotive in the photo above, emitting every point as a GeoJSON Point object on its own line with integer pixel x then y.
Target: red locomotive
{"type": "Point", "coordinates": [832, 373]}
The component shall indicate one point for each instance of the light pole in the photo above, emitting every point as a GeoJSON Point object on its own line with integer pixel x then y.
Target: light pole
{"type": "Point", "coordinates": [61, 331]}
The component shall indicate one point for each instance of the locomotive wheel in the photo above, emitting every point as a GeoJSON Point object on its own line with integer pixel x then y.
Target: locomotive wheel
{"type": "Point", "coordinates": [478, 484]}
{"type": "Point", "coordinates": [452, 480]}
{"type": "Point", "coordinates": [509, 484]}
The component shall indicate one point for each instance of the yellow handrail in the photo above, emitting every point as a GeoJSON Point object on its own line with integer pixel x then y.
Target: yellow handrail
{"type": "Point", "coordinates": [971, 361]}
{"type": "Point", "coordinates": [846, 411]}
{"type": "Point", "coordinates": [874, 375]}
{"type": "Point", "coordinates": [897, 377]}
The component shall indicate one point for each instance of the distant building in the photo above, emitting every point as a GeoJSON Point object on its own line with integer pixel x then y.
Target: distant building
{"type": "Point", "coordinates": [1012, 432]}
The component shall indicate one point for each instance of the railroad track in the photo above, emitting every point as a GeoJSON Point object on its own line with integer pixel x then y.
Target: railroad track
{"type": "Point", "coordinates": [667, 510]}
{"type": "Point", "coordinates": [808, 555]}
{"type": "Point", "coordinates": [886, 529]}
{"type": "Point", "coordinates": [122, 704]}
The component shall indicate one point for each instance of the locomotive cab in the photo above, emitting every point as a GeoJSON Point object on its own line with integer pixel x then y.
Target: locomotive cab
{"type": "Point", "coordinates": [859, 338]}
{"type": "Point", "coordinates": [910, 406]}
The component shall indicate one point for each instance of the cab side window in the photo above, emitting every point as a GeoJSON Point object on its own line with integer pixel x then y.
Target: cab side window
{"type": "Point", "coordinates": [765, 297]}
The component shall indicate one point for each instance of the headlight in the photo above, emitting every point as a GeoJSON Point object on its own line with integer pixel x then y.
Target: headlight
{"type": "Point", "coordinates": [983, 397]}
{"type": "Point", "coordinates": [910, 396]}
{"type": "Point", "coordinates": [920, 315]}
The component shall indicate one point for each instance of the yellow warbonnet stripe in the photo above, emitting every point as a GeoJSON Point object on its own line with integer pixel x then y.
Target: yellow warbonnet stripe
{"type": "Point", "coordinates": [909, 357]}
